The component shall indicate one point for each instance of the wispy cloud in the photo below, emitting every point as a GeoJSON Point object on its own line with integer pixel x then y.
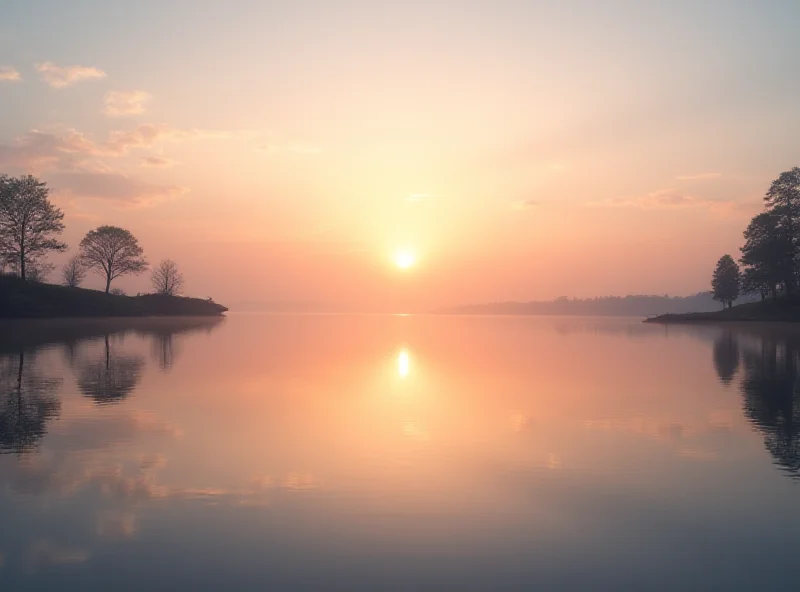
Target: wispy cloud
{"type": "Point", "coordinates": [63, 76]}
{"type": "Point", "coordinates": [156, 162]}
{"type": "Point", "coordinates": [699, 177]}
{"type": "Point", "coordinates": [418, 197]}
{"type": "Point", "coordinates": [9, 74]}
{"type": "Point", "coordinates": [294, 148]}
{"type": "Point", "coordinates": [673, 199]}
{"type": "Point", "coordinates": [662, 199]}
{"type": "Point", "coordinates": [39, 151]}
{"type": "Point", "coordinates": [525, 204]}
{"type": "Point", "coordinates": [147, 134]}
{"type": "Point", "coordinates": [123, 103]}
{"type": "Point", "coordinates": [129, 192]}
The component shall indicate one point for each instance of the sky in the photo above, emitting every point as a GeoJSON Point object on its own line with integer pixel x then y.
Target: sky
{"type": "Point", "coordinates": [516, 150]}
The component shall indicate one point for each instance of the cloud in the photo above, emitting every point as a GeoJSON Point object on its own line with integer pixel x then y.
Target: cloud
{"type": "Point", "coordinates": [63, 76]}
{"type": "Point", "coordinates": [525, 204]}
{"type": "Point", "coordinates": [147, 134]}
{"type": "Point", "coordinates": [294, 148]}
{"type": "Point", "coordinates": [122, 103]}
{"type": "Point", "coordinates": [9, 74]}
{"type": "Point", "coordinates": [299, 482]}
{"type": "Point", "coordinates": [129, 191]}
{"type": "Point", "coordinates": [158, 162]}
{"type": "Point", "coordinates": [418, 197]}
{"type": "Point", "coordinates": [699, 177]}
{"type": "Point", "coordinates": [666, 199]}
{"type": "Point", "coordinates": [39, 150]}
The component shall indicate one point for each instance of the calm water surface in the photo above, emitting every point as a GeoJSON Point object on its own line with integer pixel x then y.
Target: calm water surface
{"type": "Point", "coordinates": [398, 453]}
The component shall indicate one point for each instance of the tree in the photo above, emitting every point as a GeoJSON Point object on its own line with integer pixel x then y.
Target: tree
{"type": "Point", "coordinates": [167, 278]}
{"type": "Point", "coordinates": [783, 199]}
{"type": "Point", "coordinates": [726, 281]}
{"type": "Point", "coordinates": [110, 252]}
{"type": "Point", "coordinates": [38, 271]}
{"type": "Point", "coordinates": [73, 272]}
{"type": "Point", "coordinates": [28, 222]}
{"type": "Point", "coordinates": [766, 255]}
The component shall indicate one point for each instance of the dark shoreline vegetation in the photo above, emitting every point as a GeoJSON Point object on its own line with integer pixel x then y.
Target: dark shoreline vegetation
{"type": "Point", "coordinates": [29, 227]}
{"type": "Point", "coordinates": [780, 310]}
{"type": "Point", "coordinates": [20, 299]}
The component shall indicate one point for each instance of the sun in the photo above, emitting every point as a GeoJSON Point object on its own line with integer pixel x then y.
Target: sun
{"type": "Point", "coordinates": [404, 259]}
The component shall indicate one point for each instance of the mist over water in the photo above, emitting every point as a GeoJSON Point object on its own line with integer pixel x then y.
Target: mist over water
{"type": "Point", "coordinates": [398, 452]}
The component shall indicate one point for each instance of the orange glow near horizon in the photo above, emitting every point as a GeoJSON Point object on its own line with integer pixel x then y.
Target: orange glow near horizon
{"type": "Point", "coordinates": [455, 180]}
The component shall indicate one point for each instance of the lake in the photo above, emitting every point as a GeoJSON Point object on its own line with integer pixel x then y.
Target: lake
{"type": "Point", "coordinates": [336, 452]}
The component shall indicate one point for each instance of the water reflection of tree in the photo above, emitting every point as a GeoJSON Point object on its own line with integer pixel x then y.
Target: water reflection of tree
{"type": "Point", "coordinates": [771, 391]}
{"type": "Point", "coordinates": [28, 401]}
{"type": "Point", "coordinates": [726, 357]}
{"type": "Point", "coordinates": [164, 349]}
{"type": "Point", "coordinates": [112, 377]}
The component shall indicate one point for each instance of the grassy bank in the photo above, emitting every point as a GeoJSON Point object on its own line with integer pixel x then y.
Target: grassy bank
{"type": "Point", "coordinates": [20, 300]}
{"type": "Point", "coordinates": [786, 310]}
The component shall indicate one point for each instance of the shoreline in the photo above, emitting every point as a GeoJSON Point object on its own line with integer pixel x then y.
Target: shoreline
{"type": "Point", "coordinates": [20, 299]}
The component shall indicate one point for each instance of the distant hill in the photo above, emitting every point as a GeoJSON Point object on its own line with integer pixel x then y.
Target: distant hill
{"type": "Point", "coordinates": [637, 306]}
{"type": "Point", "coordinates": [20, 299]}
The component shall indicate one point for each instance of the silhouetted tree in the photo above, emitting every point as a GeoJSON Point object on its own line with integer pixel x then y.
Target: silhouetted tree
{"type": "Point", "coordinates": [167, 278]}
{"type": "Point", "coordinates": [726, 280]}
{"type": "Point", "coordinates": [28, 222]}
{"type": "Point", "coordinates": [39, 271]}
{"type": "Point", "coordinates": [27, 402]}
{"type": "Point", "coordinates": [73, 272]}
{"type": "Point", "coordinates": [111, 378]}
{"type": "Point", "coordinates": [765, 255]}
{"type": "Point", "coordinates": [111, 251]}
{"type": "Point", "coordinates": [783, 200]}
{"type": "Point", "coordinates": [726, 357]}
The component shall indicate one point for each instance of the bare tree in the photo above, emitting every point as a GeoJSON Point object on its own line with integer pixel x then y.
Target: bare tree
{"type": "Point", "coordinates": [73, 272]}
{"type": "Point", "coordinates": [38, 271]}
{"type": "Point", "coordinates": [28, 222]}
{"type": "Point", "coordinates": [110, 252]}
{"type": "Point", "coordinates": [167, 278]}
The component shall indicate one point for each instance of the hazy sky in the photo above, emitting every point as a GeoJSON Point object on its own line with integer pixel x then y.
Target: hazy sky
{"type": "Point", "coordinates": [519, 149]}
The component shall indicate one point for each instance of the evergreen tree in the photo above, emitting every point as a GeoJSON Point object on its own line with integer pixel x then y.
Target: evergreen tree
{"type": "Point", "coordinates": [726, 281]}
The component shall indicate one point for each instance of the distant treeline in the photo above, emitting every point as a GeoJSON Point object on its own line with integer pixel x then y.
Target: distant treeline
{"type": "Point", "coordinates": [638, 306]}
